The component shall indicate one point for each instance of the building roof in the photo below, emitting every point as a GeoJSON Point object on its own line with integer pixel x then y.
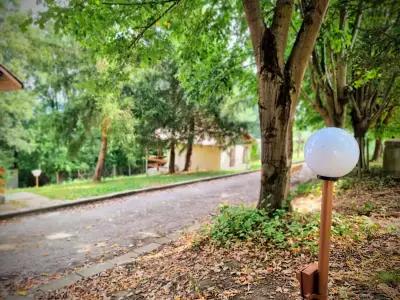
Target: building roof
{"type": "Point", "coordinates": [205, 140]}
{"type": "Point", "coordinates": [8, 82]}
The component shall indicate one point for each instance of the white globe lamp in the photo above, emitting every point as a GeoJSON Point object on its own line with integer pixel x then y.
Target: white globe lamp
{"type": "Point", "coordinates": [37, 173]}
{"type": "Point", "coordinates": [331, 153]}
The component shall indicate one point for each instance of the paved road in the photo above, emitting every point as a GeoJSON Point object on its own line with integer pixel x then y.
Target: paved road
{"type": "Point", "coordinates": [55, 241]}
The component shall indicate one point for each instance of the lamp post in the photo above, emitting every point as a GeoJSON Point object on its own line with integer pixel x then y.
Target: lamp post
{"type": "Point", "coordinates": [37, 173]}
{"type": "Point", "coordinates": [331, 153]}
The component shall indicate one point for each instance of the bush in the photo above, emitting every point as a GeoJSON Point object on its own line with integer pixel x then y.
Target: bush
{"type": "Point", "coordinates": [304, 189]}
{"type": "Point", "coordinates": [282, 229]}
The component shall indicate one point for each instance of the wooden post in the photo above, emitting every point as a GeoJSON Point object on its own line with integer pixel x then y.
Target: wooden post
{"type": "Point", "coordinates": [325, 238]}
{"type": "Point", "coordinates": [37, 181]}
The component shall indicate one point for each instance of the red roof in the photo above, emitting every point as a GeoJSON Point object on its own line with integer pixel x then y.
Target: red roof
{"type": "Point", "coordinates": [8, 82]}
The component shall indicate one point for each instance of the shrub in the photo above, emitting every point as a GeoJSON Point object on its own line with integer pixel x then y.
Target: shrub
{"type": "Point", "coordinates": [312, 187]}
{"type": "Point", "coordinates": [282, 229]}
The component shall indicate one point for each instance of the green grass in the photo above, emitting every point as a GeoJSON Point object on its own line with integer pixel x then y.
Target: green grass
{"type": "Point", "coordinates": [255, 165]}
{"type": "Point", "coordinates": [389, 277]}
{"type": "Point", "coordinates": [86, 188]}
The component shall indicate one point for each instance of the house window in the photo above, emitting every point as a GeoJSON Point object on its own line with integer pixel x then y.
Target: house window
{"type": "Point", "coordinates": [232, 157]}
{"type": "Point", "coordinates": [245, 154]}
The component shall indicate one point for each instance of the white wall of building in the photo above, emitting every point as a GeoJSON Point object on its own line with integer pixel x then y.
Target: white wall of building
{"type": "Point", "coordinates": [241, 157]}
{"type": "Point", "coordinates": [212, 158]}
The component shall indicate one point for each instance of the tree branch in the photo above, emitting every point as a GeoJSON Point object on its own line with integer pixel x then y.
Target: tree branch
{"type": "Point", "coordinates": [254, 18]}
{"type": "Point", "coordinates": [357, 24]}
{"type": "Point", "coordinates": [318, 105]}
{"type": "Point", "coordinates": [355, 106]}
{"type": "Point", "coordinates": [305, 41]}
{"type": "Point", "coordinates": [152, 22]}
{"type": "Point", "coordinates": [386, 97]}
{"type": "Point", "coordinates": [280, 27]}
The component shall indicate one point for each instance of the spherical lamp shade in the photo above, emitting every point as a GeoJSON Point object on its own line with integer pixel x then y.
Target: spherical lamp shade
{"type": "Point", "coordinates": [331, 152]}
{"type": "Point", "coordinates": [36, 173]}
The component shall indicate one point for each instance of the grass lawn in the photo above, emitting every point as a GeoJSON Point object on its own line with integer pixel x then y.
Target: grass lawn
{"type": "Point", "coordinates": [86, 188]}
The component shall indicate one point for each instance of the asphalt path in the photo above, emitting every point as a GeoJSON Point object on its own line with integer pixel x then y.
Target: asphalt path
{"type": "Point", "coordinates": [53, 242]}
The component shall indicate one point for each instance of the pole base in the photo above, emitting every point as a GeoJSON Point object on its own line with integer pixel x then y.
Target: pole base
{"type": "Point", "coordinates": [308, 278]}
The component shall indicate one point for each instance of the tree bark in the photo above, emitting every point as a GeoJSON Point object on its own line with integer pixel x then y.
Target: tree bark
{"type": "Point", "coordinates": [360, 128]}
{"type": "Point", "coordinates": [377, 150]}
{"type": "Point", "coordinates": [189, 148]}
{"type": "Point", "coordinates": [98, 173]}
{"type": "Point", "coordinates": [171, 167]}
{"type": "Point", "coordinates": [279, 84]}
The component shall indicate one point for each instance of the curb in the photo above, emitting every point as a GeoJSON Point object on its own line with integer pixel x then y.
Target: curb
{"type": "Point", "coordinates": [4, 216]}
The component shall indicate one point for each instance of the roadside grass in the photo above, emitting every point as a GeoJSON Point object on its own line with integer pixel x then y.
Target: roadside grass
{"type": "Point", "coordinates": [86, 188]}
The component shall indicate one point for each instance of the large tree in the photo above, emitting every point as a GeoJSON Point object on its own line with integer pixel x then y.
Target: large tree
{"type": "Point", "coordinates": [279, 84]}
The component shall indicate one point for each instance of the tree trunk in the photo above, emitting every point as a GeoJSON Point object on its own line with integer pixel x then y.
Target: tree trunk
{"type": "Point", "coordinates": [98, 173]}
{"type": "Point", "coordinates": [360, 124]}
{"type": "Point", "coordinates": [57, 177]}
{"type": "Point", "coordinates": [362, 163]}
{"type": "Point", "coordinates": [279, 85]}
{"type": "Point", "coordinates": [275, 145]}
{"type": "Point", "coordinates": [189, 148]}
{"type": "Point", "coordinates": [377, 150]}
{"type": "Point", "coordinates": [172, 157]}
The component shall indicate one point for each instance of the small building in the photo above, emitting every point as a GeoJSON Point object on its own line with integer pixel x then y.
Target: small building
{"type": "Point", "coordinates": [209, 155]}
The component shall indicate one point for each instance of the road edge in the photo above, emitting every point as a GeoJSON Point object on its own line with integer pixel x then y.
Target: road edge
{"type": "Point", "coordinates": [9, 215]}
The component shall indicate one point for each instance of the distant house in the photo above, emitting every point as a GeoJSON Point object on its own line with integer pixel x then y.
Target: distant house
{"type": "Point", "coordinates": [209, 155]}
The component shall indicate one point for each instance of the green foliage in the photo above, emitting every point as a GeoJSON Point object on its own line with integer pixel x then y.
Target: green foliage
{"type": "Point", "coordinates": [389, 277]}
{"type": "Point", "coordinates": [255, 152]}
{"type": "Point", "coordinates": [367, 208]}
{"type": "Point", "coordinates": [281, 228]}
{"type": "Point", "coordinates": [306, 188]}
{"type": "Point", "coordinates": [363, 77]}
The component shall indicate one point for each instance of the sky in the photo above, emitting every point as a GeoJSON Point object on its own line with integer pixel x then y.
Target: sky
{"type": "Point", "coordinates": [33, 5]}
